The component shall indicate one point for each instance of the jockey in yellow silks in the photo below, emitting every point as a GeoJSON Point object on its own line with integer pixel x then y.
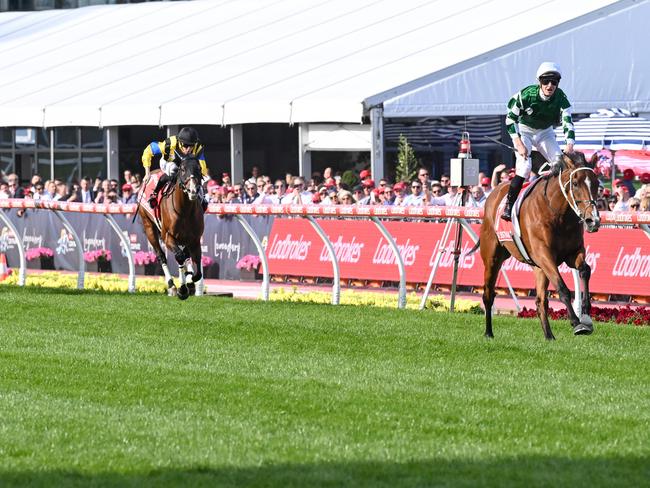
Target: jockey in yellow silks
{"type": "Point", "coordinates": [172, 149]}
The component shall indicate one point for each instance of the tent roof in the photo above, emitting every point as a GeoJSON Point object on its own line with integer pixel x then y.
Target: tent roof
{"type": "Point", "coordinates": [602, 54]}
{"type": "Point", "coordinates": [247, 61]}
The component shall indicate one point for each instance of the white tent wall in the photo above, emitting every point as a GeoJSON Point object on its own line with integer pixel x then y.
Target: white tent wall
{"type": "Point", "coordinates": [602, 55]}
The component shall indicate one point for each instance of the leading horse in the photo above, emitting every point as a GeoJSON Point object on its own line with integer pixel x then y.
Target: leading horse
{"type": "Point", "coordinates": [552, 220]}
{"type": "Point", "coordinates": [181, 227]}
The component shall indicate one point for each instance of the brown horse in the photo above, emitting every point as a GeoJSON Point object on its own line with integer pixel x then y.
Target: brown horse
{"type": "Point", "coordinates": [181, 227]}
{"type": "Point", "coordinates": [552, 220]}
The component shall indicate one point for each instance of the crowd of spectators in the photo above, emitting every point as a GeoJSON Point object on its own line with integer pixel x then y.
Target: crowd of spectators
{"type": "Point", "coordinates": [328, 188]}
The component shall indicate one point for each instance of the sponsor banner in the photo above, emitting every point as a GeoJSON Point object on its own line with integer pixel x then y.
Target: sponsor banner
{"type": "Point", "coordinates": [619, 258]}
{"type": "Point", "coordinates": [224, 241]}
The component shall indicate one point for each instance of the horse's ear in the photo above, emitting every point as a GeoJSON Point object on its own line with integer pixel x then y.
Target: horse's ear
{"type": "Point", "coordinates": [593, 160]}
{"type": "Point", "coordinates": [568, 161]}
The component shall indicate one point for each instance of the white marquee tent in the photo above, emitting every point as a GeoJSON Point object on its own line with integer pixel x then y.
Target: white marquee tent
{"type": "Point", "coordinates": [229, 62]}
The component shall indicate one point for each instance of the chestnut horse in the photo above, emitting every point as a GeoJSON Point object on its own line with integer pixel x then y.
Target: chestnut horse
{"type": "Point", "coordinates": [552, 220]}
{"type": "Point", "coordinates": [181, 227]}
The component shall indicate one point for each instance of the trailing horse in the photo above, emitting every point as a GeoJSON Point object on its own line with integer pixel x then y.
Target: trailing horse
{"type": "Point", "coordinates": [552, 219]}
{"type": "Point", "coordinates": [181, 227]}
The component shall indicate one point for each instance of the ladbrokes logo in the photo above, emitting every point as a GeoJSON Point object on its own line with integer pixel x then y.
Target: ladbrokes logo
{"type": "Point", "coordinates": [346, 251]}
{"type": "Point", "coordinates": [384, 253]}
{"type": "Point", "coordinates": [635, 265]}
{"type": "Point", "coordinates": [288, 248]}
{"type": "Point", "coordinates": [447, 260]}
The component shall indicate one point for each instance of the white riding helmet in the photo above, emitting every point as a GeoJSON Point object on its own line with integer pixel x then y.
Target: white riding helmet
{"type": "Point", "coordinates": [549, 68]}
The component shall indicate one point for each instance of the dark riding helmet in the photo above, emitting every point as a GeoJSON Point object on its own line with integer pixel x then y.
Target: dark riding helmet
{"type": "Point", "coordinates": [188, 135]}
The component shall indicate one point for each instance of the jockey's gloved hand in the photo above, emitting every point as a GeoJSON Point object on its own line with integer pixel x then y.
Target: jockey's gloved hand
{"type": "Point", "coordinates": [556, 168]}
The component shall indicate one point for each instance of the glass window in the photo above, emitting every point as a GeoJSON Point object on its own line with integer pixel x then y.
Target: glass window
{"type": "Point", "coordinates": [25, 138]}
{"type": "Point", "coordinates": [6, 162]}
{"type": "Point", "coordinates": [66, 167]}
{"type": "Point", "coordinates": [43, 165]}
{"type": "Point", "coordinates": [6, 138]}
{"type": "Point", "coordinates": [66, 138]}
{"type": "Point", "coordinates": [93, 165]}
{"type": "Point", "coordinates": [92, 138]}
{"type": "Point", "coordinates": [43, 138]}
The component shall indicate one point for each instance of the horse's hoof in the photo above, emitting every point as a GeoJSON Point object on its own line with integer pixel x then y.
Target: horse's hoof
{"type": "Point", "coordinates": [586, 320]}
{"type": "Point", "coordinates": [489, 336]}
{"type": "Point", "coordinates": [171, 292]}
{"type": "Point", "coordinates": [583, 329]}
{"type": "Point", "coordinates": [191, 288]}
{"type": "Point", "coordinates": [183, 292]}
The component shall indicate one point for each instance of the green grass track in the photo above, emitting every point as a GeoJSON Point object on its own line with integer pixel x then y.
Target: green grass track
{"type": "Point", "coordinates": [145, 390]}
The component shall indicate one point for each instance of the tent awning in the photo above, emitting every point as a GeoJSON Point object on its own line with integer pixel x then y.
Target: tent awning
{"type": "Point", "coordinates": [288, 61]}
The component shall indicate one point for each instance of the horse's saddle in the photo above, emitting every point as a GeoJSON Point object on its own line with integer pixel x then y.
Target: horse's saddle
{"type": "Point", "coordinates": [510, 231]}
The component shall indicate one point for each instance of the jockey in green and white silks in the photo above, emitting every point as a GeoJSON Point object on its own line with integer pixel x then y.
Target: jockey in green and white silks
{"type": "Point", "coordinates": [532, 113]}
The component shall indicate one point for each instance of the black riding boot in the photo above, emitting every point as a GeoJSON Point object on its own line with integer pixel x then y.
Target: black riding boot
{"type": "Point", "coordinates": [153, 198]}
{"type": "Point", "coordinates": [515, 187]}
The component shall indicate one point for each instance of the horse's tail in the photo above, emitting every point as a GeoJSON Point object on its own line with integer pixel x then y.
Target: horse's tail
{"type": "Point", "coordinates": [473, 250]}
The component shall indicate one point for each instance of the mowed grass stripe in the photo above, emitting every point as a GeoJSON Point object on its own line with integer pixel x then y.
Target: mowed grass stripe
{"type": "Point", "coordinates": [116, 389]}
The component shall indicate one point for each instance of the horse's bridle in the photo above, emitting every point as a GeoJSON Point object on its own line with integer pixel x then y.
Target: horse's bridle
{"type": "Point", "coordinates": [569, 196]}
{"type": "Point", "coordinates": [182, 183]}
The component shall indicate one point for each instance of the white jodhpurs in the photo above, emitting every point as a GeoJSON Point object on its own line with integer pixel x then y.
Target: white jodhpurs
{"type": "Point", "coordinates": [168, 167]}
{"type": "Point", "coordinates": [543, 140]}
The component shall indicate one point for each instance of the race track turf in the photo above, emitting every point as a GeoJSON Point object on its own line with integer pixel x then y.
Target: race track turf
{"type": "Point", "coordinates": [122, 390]}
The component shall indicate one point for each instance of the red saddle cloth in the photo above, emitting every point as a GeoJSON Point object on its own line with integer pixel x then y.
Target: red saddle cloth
{"type": "Point", "coordinates": [503, 228]}
{"type": "Point", "coordinates": [148, 190]}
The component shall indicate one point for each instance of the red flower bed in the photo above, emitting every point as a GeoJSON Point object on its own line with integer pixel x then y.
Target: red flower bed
{"type": "Point", "coordinates": [620, 315]}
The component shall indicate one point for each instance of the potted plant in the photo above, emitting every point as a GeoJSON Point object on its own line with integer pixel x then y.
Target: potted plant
{"type": "Point", "coordinates": [40, 258]}
{"type": "Point", "coordinates": [145, 263]}
{"type": "Point", "coordinates": [248, 267]}
{"type": "Point", "coordinates": [210, 267]}
{"type": "Point", "coordinates": [103, 259]}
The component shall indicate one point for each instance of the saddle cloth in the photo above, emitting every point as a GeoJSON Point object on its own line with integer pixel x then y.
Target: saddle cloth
{"type": "Point", "coordinates": [147, 190]}
{"type": "Point", "coordinates": [510, 231]}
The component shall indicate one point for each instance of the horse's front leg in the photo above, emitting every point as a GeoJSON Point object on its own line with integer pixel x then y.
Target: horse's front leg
{"type": "Point", "coordinates": [195, 268]}
{"type": "Point", "coordinates": [182, 257]}
{"type": "Point", "coordinates": [579, 262]}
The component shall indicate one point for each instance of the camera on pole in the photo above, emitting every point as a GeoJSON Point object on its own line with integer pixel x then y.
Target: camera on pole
{"type": "Point", "coordinates": [464, 169]}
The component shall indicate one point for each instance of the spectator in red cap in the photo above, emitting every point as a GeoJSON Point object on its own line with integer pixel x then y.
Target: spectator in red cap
{"type": "Point", "coordinates": [628, 180]}
{"type": "Point", "coordinates": [486, 185]}
{"type": "Point", "coordinates": [399, 191]}
{"type": "Point", "coordinates": [214, 195]}
{"type": "Point", "coordinates": [365, 174]}
{"type": "Point", "coordinates": [622, 197]}
{"type": "Point", "coordinates": [368, 186]}
{"type": "Point", "coordinates": [127, 194]}
{"type": "Point", "coordinates": [225, 179]}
